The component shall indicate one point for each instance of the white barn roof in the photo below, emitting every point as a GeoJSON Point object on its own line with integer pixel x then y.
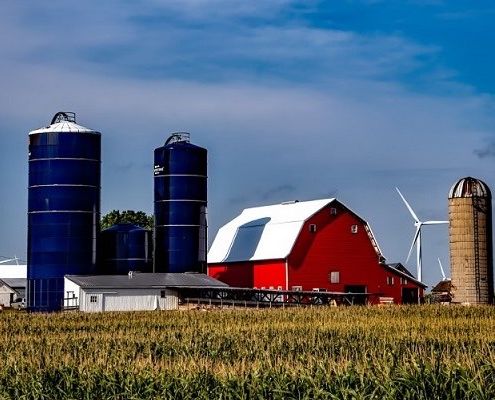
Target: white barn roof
{"type": "Point", "coordinates": [13, 271]}
{"type": "Point", "coordinates": [263, 233]}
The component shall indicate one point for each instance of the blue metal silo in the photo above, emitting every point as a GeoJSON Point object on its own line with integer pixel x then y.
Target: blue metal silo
{"type": "Point", "coordinates": [63, 208]}
{"type": "Point", "coordinates": [180, 171]}
{"type": "Point", "coordinates": [125, 247]}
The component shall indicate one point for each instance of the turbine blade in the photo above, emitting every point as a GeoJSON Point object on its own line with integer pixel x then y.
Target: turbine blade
{"type": "Point", "coordinates": [413, 242]}
{"type": "Point", "coordinates": [408, 206]}
{"type": "Point", "coordinates": [435, 222]}
{"type": "Point", "coordinates": [441, 269]}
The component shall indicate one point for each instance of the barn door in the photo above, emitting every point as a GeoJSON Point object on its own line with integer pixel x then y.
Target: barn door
{"type": "Point", "coordinates": [409, 296]}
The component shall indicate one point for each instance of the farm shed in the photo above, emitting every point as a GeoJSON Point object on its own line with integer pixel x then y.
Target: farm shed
{"type": "Point", "coordinates": [442, 292]}
{"type": "Point", "coordinates": [12, 290]}
{"type": "Point", "coordinates": [316, 245]}
{"type": "Point", "coordinates": [133, 292]}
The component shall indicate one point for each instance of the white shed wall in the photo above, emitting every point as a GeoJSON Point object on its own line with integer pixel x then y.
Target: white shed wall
{"type": "Point", "coordinates": [70, 288]}
{"type": "Point", "coordinates": [127, 300]}
{"type": "Point", "coordinates": [6, 295]}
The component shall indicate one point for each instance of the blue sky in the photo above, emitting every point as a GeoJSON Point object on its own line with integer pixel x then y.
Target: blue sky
{"type": "Point", "coordinates": [292, 99]}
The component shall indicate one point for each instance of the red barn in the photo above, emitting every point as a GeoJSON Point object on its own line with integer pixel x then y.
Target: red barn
{"type": "Point", "coordinates": [310, 245]}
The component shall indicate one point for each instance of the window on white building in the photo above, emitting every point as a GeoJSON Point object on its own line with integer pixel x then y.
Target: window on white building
{"type": "Point", "coordinates": [93, 299]}
{"type": "Point", "coordinates": [163, 294]}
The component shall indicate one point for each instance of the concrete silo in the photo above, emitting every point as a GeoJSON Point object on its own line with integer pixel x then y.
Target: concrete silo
{"type": "Point", "coordinates": [470, 231]}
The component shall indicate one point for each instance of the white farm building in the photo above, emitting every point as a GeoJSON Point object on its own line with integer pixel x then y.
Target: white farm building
{"type": "Point", "coordinates": [133, 292]}
{"type": "Point", "coordinates": [12, 290]}
{"type": "Point", "coordinates": [13, 271]}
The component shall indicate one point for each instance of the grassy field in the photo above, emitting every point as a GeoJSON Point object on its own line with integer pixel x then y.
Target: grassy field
{"type": "Point", "coordinates": [412, 352]}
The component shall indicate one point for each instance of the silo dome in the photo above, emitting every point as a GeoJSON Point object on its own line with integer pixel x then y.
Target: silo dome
{"type": "Point", "coordinates": [469, 187]}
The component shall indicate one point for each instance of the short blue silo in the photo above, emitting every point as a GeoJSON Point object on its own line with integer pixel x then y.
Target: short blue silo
{"type": "Point", "coordinates": [63, 208]}
{"type": "Point", "coordinates": [180, 171]}
{"type": "Point", "coordinates": [125, 247]}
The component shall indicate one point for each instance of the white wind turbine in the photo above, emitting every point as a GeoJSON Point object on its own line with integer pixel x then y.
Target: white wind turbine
{"type": "Point", "coordinates": [417, 236]}
{"type": "Point", "coordinates": [10, 259]}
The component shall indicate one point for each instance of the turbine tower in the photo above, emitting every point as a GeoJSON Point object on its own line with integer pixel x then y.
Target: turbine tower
{"type": "Point", "coordinates": [417, 236]}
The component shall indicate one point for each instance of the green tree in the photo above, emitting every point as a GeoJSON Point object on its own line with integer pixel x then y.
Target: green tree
{"type": "Point", "coordinates": [127, 216]}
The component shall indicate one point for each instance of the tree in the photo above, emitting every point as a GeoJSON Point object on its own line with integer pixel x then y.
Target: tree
{"type": "Point", "coordinates": [138, 218]}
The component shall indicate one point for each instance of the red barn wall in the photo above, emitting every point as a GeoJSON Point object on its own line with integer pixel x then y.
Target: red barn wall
{"type": "Point", "coordinates": [233, 274]}
{"type": "Point", "coordinates": [333, 247]}
{"type": "Point", "coordinates": [270, 273]}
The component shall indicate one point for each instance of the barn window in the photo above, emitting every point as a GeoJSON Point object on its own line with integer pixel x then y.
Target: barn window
{"type": "Point", "coordinates": [333, 211]}
{"type": "Point", "coordinates": [93, 299]}
{"type": "Point", "coordinates": [279, 288]}
{"type": "Point", "coordinates": [163, 294]}
{"type": "Point", "coordinates": [334, 277]}
{"type": "Point", "coordinates": [354, 229]}
{"type": "Point", "coordinates": [390, 280]}
{"type": "Point", "coordinates": [297, 288]}
{"type": "Point", "coordinates": [312, 228]}
{"type": "Point", "coordinates": [403, 281]}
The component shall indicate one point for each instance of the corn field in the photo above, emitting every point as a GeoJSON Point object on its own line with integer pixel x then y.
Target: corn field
{"type": "Point", "coordinates": [427, 352]}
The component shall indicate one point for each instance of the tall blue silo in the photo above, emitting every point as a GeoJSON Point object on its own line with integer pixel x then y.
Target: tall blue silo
{"type": "Point", "coordinates": [125, 247]}
{"type": "Point", "coordinates": [180, 172]}
{"type": "Point", "coordinates": [63, 208]}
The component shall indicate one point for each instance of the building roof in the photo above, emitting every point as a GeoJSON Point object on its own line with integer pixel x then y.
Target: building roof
{"type": "Point", "coordinates": [145, 280]}
{"type": "Point", "coordinates": [442, 286]}
{"type": "Point", "coordinates": [268, 232]}
{"type": "Point", "coordinates": [63, 126]}
{"type": "Point", "coordinates": [401, 268]}
{"type": "Point", "coordinates": [15, 283]}
{"type": "Point", "coordinates": [263, 233]}
{"type": "Point", "coordinates": [13, 271]}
